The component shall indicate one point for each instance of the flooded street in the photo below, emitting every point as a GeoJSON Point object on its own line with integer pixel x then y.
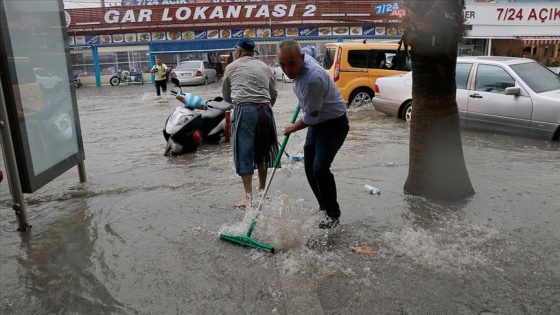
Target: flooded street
{"type": "Point", "coordinates": [142, 235]}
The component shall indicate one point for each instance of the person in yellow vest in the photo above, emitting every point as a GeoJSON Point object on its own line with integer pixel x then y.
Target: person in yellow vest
{"type": "Point", "coordinates": [160, 71]}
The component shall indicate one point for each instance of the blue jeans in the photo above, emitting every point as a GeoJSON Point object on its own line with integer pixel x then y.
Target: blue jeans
{"type": "Point", "coordinates": [321, 146]}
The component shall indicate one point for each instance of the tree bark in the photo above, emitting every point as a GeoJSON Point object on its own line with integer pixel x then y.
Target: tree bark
{"type": "Point", "coordinates": [437, 167]}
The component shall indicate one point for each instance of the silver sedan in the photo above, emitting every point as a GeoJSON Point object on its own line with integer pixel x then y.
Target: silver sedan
{"type": "Point", "coordinates": [194, 72]}
{"type": "Point", "coordinates": [497, 94]}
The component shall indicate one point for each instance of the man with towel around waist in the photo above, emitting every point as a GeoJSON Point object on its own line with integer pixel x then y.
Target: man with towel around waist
{"type": "Point", "coordinates": [249, 84]}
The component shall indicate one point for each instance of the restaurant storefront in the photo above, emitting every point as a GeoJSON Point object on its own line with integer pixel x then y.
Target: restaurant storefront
{"type": "Point", "coordinates": [103, 40]}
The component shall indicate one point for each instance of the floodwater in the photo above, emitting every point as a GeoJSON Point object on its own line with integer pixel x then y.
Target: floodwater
{"type": "Point", "coordinates": [142, 235]}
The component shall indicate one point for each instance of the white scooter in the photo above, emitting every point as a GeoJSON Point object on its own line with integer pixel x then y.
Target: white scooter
{"type": "Point", "coordinates": [196, 122]}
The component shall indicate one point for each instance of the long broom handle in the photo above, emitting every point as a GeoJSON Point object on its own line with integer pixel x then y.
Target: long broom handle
{"type": "Point", "coordinates": [276, 162]}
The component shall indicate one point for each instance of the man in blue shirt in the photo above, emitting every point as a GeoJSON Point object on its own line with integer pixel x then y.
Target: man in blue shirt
{"type": "Point", "coordinates": [324, 116]}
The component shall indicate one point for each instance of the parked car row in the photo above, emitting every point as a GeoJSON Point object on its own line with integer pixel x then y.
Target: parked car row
{"type": "Point", "coordinates": [497, 94]}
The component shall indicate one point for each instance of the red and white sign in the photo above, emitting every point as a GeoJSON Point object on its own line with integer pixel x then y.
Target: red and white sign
{"type": "Point", "coordinates": [519, 14]}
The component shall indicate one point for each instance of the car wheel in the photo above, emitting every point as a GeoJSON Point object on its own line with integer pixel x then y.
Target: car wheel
{"type": "Point", "coordinates": [206, 81]}
{"type": "Point", "coordinates": [407, 112]}
{"type": "Point", "coordinates": [283, 78]}
{"type": "Point", "coordinates": [360, 97]}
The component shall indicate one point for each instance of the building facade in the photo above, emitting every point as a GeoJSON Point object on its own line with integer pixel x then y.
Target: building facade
{"type": "Point", "coordinates": [103, 40]}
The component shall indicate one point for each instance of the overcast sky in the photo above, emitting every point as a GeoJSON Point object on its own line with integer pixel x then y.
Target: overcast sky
{"type": "Point", "coordinates": [76, 4]}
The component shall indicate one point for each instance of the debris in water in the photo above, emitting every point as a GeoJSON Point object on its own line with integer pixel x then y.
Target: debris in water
{"type": "Point", "coordinates": [363, 250]}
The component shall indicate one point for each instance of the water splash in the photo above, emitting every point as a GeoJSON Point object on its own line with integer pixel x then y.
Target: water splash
{"type": "Point", "coordinates": [452, 247]}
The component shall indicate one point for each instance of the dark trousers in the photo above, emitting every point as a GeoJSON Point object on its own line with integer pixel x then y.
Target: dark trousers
{"type": "Point", "coordinates": [321, 146]}
{"type": "Point", "coordinates": [161, 84]}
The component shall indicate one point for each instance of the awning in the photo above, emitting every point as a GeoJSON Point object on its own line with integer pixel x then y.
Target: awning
{"type": "Point", "coordinates": [190, 46]}
{"type": "Point", "coordinates": [535, 40]}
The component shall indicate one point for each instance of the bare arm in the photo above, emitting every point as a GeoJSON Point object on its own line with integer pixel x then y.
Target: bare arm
{"type": "Point", "coordinates": [298, 125]}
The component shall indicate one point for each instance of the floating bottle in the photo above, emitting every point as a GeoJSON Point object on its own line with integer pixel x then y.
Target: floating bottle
{"type": "Point", "coordinates": [373, 190]}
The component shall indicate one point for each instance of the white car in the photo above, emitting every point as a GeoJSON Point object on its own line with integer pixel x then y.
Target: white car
{"type": "Point", "coordinates": [498, 94]}
{"type": "Point", "coordinates": [279, 74]}
{"type": "Point", "coordinates": [47, 80]}
{"type": "Point", "coordinates": [194, 72]}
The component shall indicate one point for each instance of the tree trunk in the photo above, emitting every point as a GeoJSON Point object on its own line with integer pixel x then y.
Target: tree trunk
{"type": "Point", "coordinates": [437, 167]}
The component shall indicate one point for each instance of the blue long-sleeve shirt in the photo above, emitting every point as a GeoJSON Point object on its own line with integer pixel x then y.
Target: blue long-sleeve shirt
{"type": "Point", "coordinates": [318, 96]}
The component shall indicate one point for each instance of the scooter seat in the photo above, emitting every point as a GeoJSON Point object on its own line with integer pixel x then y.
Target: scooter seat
{"type": "Point", "coordinates": [223, 105]}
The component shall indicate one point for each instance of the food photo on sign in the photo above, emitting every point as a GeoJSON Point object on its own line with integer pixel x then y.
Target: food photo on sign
{"type": "Point", "coordinates": [105, 39]}
{"type": "Point", "coordinates": [212, 34]}
{"type": "Point", "coordinates": [340, 30]}
{"type": "Point", "coordinates": [144, 37]}
{"type": "Point", "coordinates": [158, 35]}
{"type": "Point", "coordinates": [325, 31]}
{"type": "Point", "coordinates": [380, 30]}
{"type": "Point", "coordinates": [187, 35]}
{"type": "Point", "coordinates": [118, 38]}
{"type": "Point", "coordinates": [355, 31]}
{"type": "Point", "coordinates": [174, 35]}
{"type": "Point", "coordinates": [263, 32]}
{"type": "Point", "coordinates": [292, 32]}
{"type": "Point", "coordinates": [225, 34]}
{"type": "Point", "coordinates": [278, 32]}
{"type": "Point", "coordinates": [250, 32]}
{"type": "Point", "coordinates": [130, 37]}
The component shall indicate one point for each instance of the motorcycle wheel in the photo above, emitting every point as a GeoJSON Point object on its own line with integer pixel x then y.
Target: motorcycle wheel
{"type": "Point", "coordinates": [114, 81]}
{"type": "Point", "coordinates": [76, 84]}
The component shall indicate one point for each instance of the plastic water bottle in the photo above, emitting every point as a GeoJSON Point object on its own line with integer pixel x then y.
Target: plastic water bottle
{"type": "Point", "coordinates": [373, 190]}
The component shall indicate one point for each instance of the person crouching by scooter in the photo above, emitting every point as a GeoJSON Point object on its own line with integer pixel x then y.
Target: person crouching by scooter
{"type": "Point", "coordinates": [160, 72]}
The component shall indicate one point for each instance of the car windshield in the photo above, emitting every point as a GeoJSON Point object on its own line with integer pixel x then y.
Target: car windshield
{"type": "Point", "coordinates": [188, 65]}
{"type": "Point", "coordinates": [537, 77]}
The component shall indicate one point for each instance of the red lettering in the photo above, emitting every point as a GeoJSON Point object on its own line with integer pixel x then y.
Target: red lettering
{"type": "Point", "coordinates": [556, 14]}
{"type": "Point", "coordinates": [519, 14]}
{"type": "Point", "coordinates": [541, 16]}
{"type": "Point", "coordinates": [500, 11]}
{"type": "Point", "coordinates": [532, 15]}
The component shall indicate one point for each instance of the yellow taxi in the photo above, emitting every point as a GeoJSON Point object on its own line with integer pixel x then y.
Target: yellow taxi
{"type": "Point", "coordinates": [355, 67]}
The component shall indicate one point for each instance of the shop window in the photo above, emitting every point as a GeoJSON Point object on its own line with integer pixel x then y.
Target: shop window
{"type": "Point", "coordinates": [82, 64]}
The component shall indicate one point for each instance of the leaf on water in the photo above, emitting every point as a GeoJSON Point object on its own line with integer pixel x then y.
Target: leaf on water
{"type": "Point", "coordinates": [363, 250]}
